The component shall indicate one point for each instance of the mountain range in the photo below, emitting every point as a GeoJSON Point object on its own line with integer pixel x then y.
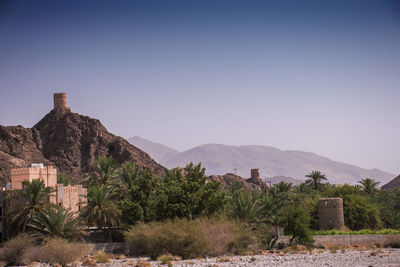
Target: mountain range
{"type": "Point", "coordinates": [220, 159]}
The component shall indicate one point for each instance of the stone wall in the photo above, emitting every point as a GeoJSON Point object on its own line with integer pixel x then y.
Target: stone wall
{"type": "Point", "coordinates": [71, 197]}
{"type": "Point", "coordinates": [115, 248]}
{"type": "Point", "coordinates": [349, 240]}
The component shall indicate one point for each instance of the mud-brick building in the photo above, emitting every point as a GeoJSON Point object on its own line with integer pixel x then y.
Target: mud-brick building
{"type": "Point", "coordinates": [72, 197]}
{"type": "Point", "coordinates": [46, 174]}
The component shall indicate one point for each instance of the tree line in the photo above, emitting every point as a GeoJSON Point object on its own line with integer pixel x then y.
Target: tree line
{"type": "Point", "coordinates": [124, 195]}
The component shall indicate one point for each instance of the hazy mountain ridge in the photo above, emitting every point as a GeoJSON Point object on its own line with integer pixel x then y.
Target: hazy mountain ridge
{"type": "Point", "coordinates": [278, 179]}
{"type": "Point", "coordinates": [159, 151]}
{"type": "Point", "coordinates": [220, 159]}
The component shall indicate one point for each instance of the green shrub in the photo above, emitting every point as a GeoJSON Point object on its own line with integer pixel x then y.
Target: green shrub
{"type": "Point", "coordinates": [101, 257]}
{"type": "Point", "coordinates": [164, 259]}
{"type": "Point", "coordinates": [296, 222]}
{"type": "Point", "coordinates": [13, 250]}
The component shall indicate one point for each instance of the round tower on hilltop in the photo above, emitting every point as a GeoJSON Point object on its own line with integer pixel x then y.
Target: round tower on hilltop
{"type": "Point", "coordinates": [255, 173]}
{"type": "Point", "coordinates": [60, 100]}
{"type": "Point", "coordinates": [330, 213]}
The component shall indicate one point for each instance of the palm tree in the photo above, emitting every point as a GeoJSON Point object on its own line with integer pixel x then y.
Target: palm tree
{"type": "Point", "coordinates": [281, 187]}
{"type": "Point", "coordinates": [369, 186]}
{"type": "Point", "coordinates": [29, 202]}
{"type": "Point", "coordinates": [101, 210]}
{"type": "Point", "coordinates": [63, 179]}
{"type": "Point", "coordinates": [245, 206]}
{"type": "Point", "coordinates": [56, 222]}
{"type": "Point", "coordinates": [316, 180]}
{"type": "Point", "coordinates": [126, 179]}
{"type": "Point", "coordinates": [105, 169]}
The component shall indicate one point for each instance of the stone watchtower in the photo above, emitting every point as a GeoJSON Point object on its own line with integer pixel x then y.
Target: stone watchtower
{"type": "Point", "coordinates": [330, 213]}
{"type": "Point", "coordinates": [255, 173]}
{"type": "Point", "coordinates": [60, 101]}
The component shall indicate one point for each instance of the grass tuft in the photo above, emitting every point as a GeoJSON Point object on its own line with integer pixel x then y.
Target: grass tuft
{"type": "Point", "coordinates": [101, 257]}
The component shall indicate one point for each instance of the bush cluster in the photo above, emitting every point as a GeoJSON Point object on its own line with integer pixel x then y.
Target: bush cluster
{"type": "Point", "coordinates": [22, 250]}
{"type": "Point", "coordinates": [188, 238]}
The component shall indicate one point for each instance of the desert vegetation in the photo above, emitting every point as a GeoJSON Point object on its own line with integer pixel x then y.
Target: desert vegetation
{"type": "Point", "coordinates": [24, 249]}
{"type": "Point", "coordinates": [182, 214]}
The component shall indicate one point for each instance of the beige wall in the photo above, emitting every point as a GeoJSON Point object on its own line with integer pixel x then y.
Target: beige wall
{"type": "Point", "coordinates": [67, 196]}
{"type": "Point", "coordinates": [71, 197]}
{"type": "Point", "coordinates": [47, 174]}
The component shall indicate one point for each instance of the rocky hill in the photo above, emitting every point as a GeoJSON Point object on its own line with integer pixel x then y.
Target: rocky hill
{"type": "Point", "coordinates": [69, 141]}
{"type": "Point", "coordinates": [219, 159]}
{"type": "Point", "coordinates": [392, 184]}
{"type": "Point", "coordinates": [228, 179]}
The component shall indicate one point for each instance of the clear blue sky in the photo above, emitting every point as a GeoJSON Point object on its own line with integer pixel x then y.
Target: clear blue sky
{"type": "Point", "coordinates": [320, 76]}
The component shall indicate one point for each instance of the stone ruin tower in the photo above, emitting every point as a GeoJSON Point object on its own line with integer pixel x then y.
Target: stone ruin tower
{"type": "Point", "coordinates": [330, 213]}
{"type": "Point", "coordinates": [256, 179]}
{"type": "Point", "coordinates": [255, 173]}
{"type": "Point", "coordinates": [60, 101]}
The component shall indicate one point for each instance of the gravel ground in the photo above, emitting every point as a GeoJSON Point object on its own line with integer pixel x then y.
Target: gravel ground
{"type": "Point", "coordinates": [377, 257]}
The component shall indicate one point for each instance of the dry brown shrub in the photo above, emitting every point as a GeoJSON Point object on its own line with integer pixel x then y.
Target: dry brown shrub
{"type": "Point", "coordinates": [13, 250]}
{"type": "Point", "coordinates": [227, 236]}
{"type": "Point", "coordinates": [219, 235]}
{"type": "Point", "coordinates": [180, 237]}
{"type": "Point", "coordinates": [63, 252]}
{"type": "Point", "coordinates": [189, 238]}
{"type": "Point", "coordinates": [224, 259]}
{"type": "Point", "coordinates": [32, 254]}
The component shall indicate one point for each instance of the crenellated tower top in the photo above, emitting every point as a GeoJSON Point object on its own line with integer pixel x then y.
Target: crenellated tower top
{"type": "Point", "coordinates": [60, 100]}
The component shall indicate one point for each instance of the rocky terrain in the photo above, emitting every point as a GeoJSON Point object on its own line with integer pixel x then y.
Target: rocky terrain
{"type": "Point", "coordinates": [228, 179]}
{"type": "Point", "coordinates": [219, 159]}
{"type": "Point", "coordinates": [69, 141]}
{"type": "Point", "coordinates": [339, 258]}
{"type": "Point", "coordinates": [395, 183]}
